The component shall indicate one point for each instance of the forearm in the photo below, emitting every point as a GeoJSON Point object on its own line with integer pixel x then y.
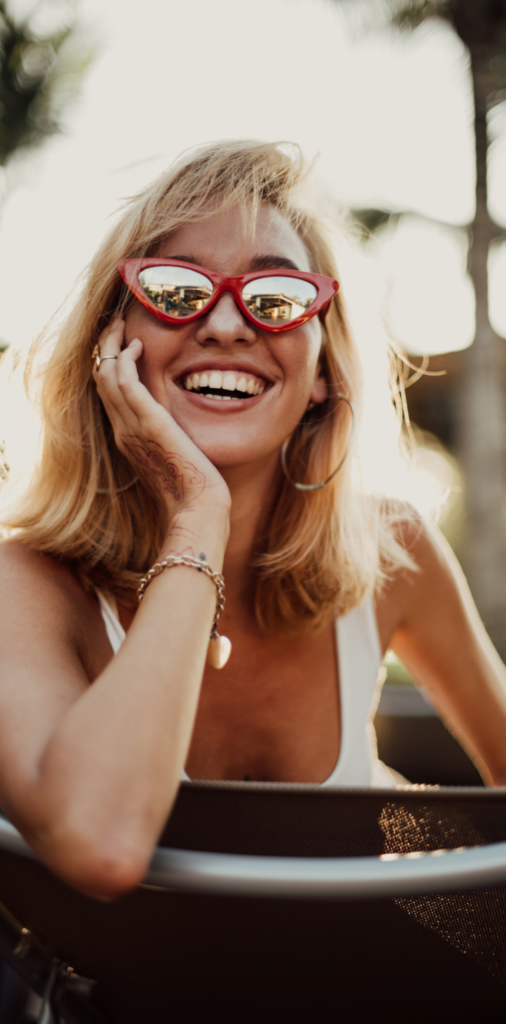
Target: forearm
{"type": "Point", "coordinates": [111, 771]}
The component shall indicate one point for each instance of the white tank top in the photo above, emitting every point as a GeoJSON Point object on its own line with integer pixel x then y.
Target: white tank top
{"type": "Point", "coordinates": [360, 681]}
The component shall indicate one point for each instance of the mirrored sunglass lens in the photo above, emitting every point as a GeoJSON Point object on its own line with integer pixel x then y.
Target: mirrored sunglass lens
{"type": "Point", "coordinates": [279, 299]}
{"type": "Point", "coordinates": [176, 290]}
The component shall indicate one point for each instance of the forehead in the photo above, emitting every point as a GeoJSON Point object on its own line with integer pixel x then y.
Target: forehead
{"type": "Point", "coordinates": [227, 241]}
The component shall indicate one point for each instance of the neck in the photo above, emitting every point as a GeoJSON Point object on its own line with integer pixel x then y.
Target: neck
{"type": "Point", "coordinates": [252, 489]}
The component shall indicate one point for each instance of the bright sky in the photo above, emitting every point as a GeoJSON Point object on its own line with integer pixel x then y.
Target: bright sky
{"type": "Point", "coordinates": [390, 117]}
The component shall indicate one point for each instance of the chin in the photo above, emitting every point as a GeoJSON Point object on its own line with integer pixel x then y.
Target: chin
{"type": "Point", "coordinates": [226, 455]}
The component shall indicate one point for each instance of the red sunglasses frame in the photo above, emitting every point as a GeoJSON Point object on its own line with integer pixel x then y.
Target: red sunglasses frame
{"type": "Point", "coordinates": [326, 288]}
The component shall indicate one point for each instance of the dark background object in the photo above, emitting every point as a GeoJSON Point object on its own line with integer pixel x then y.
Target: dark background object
{"type": "Point", "coordinates": [416, 743]}
{"type": "Point", "coordinates": [14, 994]}
{"type": "Point", "coordinates": [166, 955]}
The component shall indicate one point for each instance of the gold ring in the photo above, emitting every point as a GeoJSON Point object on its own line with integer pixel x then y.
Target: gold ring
{"type": "Point", "coordinates": [98, 357]}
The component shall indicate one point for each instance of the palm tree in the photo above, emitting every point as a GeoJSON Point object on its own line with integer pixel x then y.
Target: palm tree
{"type": "Point", "coordinates": [481, 25]}
{"type": "Point", "coordinates": [40, 72]}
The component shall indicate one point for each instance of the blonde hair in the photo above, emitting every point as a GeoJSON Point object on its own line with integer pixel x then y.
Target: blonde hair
{"type": "Point", "coordinates": [322, 552]}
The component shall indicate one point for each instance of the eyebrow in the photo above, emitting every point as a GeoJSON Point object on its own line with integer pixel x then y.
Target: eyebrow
{"type": "Point", "coordinates": [267, 262]}
{"type": "Point", "coordinates": [271, 262]}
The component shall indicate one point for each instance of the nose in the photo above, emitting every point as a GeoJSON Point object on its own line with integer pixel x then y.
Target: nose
{"type": "Point", "coordinates": [225, 324]}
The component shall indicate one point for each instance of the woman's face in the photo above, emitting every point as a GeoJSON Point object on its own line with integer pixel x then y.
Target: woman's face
{"type": "Point", "coordinates": [283, 367]}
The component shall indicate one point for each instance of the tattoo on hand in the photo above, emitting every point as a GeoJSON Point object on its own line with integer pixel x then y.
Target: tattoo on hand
{"type": "Point", "coordinates": [164, 472]}
{"type": "Point", "coordinates": [187, 552]}
{"type": "Point", "coordinates": [177, 530]}
{"type": "Point", "coordinates": [180, 535]}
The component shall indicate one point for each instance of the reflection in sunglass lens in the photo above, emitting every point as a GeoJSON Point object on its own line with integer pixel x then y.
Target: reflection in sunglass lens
{"type": "Point", "coordinates": [176, 290]}
{"type": "Point", "coordinates": [278, 298]}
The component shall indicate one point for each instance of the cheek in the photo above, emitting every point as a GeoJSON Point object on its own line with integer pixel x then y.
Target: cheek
{"type": "Point", "coordinates": [160, 346]}
{"type": "Point", "coordinates": [301, 354]}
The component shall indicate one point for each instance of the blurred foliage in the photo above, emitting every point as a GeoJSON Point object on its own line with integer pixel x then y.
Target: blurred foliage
{"type": "Point", "coordinates": [479, 23]}
{"type": "Point", "coordinates": [370, 220]}
{"type": "Point", "coordinates": [41, 70]}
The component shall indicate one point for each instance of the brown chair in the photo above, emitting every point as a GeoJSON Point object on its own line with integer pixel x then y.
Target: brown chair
{"type": "Point", "coordinates": [280, 903]}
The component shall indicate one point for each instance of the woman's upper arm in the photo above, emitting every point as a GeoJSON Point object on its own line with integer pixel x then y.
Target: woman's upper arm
{"type": "Point", "coordinates": [41, 673]}
{"type": "Point", "coordinates": [441, 640]}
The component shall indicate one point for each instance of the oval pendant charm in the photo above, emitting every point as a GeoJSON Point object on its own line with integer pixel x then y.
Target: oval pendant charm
{"type": "Point", "coordinates": [218, 651]}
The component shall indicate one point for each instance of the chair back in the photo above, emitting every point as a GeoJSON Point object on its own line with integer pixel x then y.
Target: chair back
{"type": "Point", "coordinates": [181, 954]}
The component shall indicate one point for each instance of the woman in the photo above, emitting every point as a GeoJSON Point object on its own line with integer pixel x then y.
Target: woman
{"type": "Point", "coordinates": [167, 400]}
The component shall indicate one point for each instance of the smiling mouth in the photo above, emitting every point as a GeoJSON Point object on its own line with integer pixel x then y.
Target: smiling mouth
{"type": "Point", "coordinates": [224, 386]}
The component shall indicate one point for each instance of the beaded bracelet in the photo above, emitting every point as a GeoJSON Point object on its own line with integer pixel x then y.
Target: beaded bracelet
{"type": "Point", "coordinates": [218, 651]}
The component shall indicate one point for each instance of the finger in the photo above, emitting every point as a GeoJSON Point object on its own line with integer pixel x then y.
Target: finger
{"type": "Point", "coordinates": [126, 369]}
{"type": "Point", "coordinates": [133, 392]}
{"type": "Point", "coordinates": [113, 335]}
{"type": "Point", "coordinates": [110, 343]}
{"type": "Point", "coordinates": [112, 338]}
{"type": "Point", "coordinates": [134, 349]}
{"type": "Point", "coordinates": [119, 387]}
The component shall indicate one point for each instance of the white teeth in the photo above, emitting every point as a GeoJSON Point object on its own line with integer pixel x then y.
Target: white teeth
{"type": "Point", "coordinates": [229, 382]}
{"type": "Point", "coordinates": [223, 381]}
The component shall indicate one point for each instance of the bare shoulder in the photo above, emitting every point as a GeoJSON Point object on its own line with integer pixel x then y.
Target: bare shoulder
{"type": "Point", "coordinates": [434, 577]}
{"type": "Point", "coordinates": [36, 583]}
{"type": "Point", "coordinates": [24, 563]}
{"type": "Point", "coordinates": [42, 599]}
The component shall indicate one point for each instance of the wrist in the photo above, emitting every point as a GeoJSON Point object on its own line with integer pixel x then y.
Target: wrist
{"type": "Point", "coordinates": [199, 533]}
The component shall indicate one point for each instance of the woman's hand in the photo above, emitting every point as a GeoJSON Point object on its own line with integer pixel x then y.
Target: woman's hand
{"type": "Point", "coordinates": [167, 462]}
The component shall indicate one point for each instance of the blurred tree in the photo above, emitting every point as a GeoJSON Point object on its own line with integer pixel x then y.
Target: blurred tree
{"type": "Point", "coordinates": [481, 25]}
{"type": "Point", "coordinates": [43, 57]}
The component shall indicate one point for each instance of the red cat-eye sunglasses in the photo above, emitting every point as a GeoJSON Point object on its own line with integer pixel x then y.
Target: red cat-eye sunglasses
{"type": "Point", "coordinates": [276, 300]}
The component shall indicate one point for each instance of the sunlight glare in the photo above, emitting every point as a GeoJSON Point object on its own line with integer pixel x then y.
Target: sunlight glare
{"type": "Point", "coordinates": [429, 297]}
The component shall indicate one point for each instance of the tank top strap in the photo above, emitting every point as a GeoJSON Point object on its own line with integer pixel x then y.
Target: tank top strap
{"type": "Point", "coordinates": [114, 629]}
{"type": "Point", "coordinates": [359, 660]}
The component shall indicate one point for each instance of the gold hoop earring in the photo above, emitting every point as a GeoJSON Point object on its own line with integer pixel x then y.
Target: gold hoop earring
{"type": "Point", "coordinates": [323, 483]}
